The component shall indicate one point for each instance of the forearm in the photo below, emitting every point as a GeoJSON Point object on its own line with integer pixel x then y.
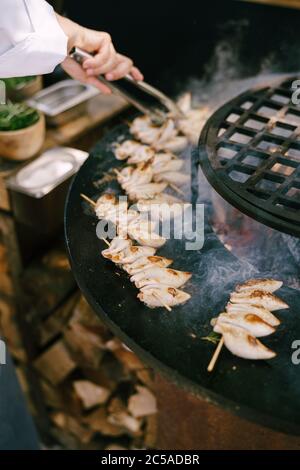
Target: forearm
{"type": "Point", "coordinates": [72, 30]}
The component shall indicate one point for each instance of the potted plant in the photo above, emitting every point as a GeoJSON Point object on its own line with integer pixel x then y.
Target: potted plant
{"type": "Point", "coordinates": [22, 88]}
{"type": "Point", "coordinates": [22, 131]}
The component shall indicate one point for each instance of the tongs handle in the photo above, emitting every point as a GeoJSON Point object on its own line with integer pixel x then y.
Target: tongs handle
{"type": "Point", "coordinates": [156, 115]}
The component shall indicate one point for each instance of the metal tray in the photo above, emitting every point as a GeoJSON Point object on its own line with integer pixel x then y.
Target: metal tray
{"type": "Point", "coordinates": [63, 101]}
{"type": "Point", "coordinates": [38, 191]}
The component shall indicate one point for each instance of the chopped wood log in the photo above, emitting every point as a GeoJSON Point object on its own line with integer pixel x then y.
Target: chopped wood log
{"type": "Point", "coordinates": [123, 419]}
{"type": "Point", "coordinates": [143, 403]}
{"type": "Point", "coordinates": [86, 346]}
{"type": "Point", "coordinates": [98, 422]}
{"type": "Point", "coordinates": [84, 314]}
{"type": "Point", "coordinates": [45, 287]}
{"type": "Point", "coordinates": [56, 363]}
{"type": "Point", "coordinates": [70, 424]}
{"type": "Point", "coordinates": [146, 376]}
{"type": "Point", "coordinates": [51, 395]}
{"type": "Point", "coordinates": [90, 394]}
{"type": "Point", "coordinates": [53, 326]}
{"type": "Point", "coordinates": [128, 359]}
{"type": "Point", "coordinates": [115, 447]}
{"type": "Point", "coordinates": [118, 415]}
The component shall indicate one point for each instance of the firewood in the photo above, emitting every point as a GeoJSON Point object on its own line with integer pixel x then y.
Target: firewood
{"type": "Point", "coordinates": [84, 314]}
{"type": "Point", "coordinates": [143, 403]}
{"type": "Point", "coordinates": [55, 323]}
{"type": "Point", "coordinates": [113, 344]}
{"type": "Point", "coordinates": [56, 363]}
{"type": "Point", "coordinates": [115, 447]}
{"type": "Point", "coordinates": [90, 394]}
{"type": "Point", "coordinates": [70, 424]}
{"type": "Point", "coordinates": [45, 287]}
{"type": "Point", "coordinates": [118, 415]}
{"type": "Point", "coordinates": [86, 346]}
{"type": "Point", "coordinates": [98, 422]}
{"type": "Point", "coordinates": [146, 376]}
{"type": "Point", "coordinates": [123, 419]}
{"type": "Point", "coordinates": [51, 395]}
{"type": "Point", "coordinates": [128, 359]}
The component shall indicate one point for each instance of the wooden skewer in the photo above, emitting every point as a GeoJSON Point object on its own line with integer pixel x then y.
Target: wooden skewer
{"type": "Point", "coordinates": [213, 360]}
{"type": "Point", "coordinates": [163, 303]}
{"type": "Point", "coordinates": [178, 190]}
{"type": "Point", "coordinates": [105, 241]}
{"type": "Point", "coordinates": [89, 200]}
{"type": "Point", "coordinates": [117, 171]}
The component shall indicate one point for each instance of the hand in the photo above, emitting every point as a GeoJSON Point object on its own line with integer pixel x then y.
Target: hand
{"type": "Point", "coordinates": [106, 61]}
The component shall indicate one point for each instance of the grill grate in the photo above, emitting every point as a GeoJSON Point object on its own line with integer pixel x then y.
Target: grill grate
{"type": "Point", "coordinates": [250, 152]}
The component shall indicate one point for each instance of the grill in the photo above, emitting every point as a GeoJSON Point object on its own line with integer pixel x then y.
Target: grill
{"type": "Point", "coordinates": [249, 151]}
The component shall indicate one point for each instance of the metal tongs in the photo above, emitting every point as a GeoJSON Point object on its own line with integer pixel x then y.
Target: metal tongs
{"type": "Point", "coordinates": [140, 94]}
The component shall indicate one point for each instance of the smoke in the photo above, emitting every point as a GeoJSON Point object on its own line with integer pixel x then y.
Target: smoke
{"type": "Point", "coordinates": [259, 249]}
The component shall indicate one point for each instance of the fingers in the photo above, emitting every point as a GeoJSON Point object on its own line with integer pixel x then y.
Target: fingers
{"type": "Point", "coordinates": [136, 74]}
{"type": "Point", "coordinates": [101, 43]}
{"type": "Point", "coordinates": [124, 67]}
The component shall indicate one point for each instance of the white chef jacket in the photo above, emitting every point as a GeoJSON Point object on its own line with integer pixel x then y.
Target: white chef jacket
{"type": "Point", "coordinates": [31, 40]}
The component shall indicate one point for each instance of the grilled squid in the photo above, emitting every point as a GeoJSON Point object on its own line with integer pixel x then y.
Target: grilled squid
{"type": "Point", "coordinates": [266, 285]}
{"type": "Point", "coordinates": [241, 343]}
{"type": "Point", "coordinates": [251, 322]}
{"type": "Point", "coordinates": [159, 296]}
{"type": "Point", "coordinates": [147, 262]}
{"type": "Point", "coordinates": [261, 312]}
{"type": "Point", "coordinates": [258, 297]}
{"type": "Point", "coordinates": [117, 245]}
{"type": "Point", "coordinates": [165, 276]}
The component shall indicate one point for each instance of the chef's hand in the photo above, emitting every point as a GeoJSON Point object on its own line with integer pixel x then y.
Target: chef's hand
{"type": "Point", "coordinates": [106, 61]}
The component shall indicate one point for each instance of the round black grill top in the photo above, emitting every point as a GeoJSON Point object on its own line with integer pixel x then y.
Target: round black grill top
{"type": "Point", "coordinates": [250, 152]}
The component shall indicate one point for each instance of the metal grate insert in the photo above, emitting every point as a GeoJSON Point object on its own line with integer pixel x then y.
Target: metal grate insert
{"type": "Point", "coordinates": [256, 157]}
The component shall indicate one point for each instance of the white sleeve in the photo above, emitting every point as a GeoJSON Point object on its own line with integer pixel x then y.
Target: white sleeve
{"type": "Point", "coordinates": [31, 39]}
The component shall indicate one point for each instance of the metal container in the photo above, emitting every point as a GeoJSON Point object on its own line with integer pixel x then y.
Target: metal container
{"type": "Point", "coordinates": [63, 101]}
{"type": "Point", "coordinates": [39, 189]}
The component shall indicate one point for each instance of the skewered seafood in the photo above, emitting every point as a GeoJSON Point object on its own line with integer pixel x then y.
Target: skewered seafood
{"type": "Point", "coordinates": [241, 343]}
{"type": "Point", "coordinates": [159, 296]}
{"type": "Point", "coordinates": [165, 276]}
{"type": "Point", "coordinates": [261, 312]}
{"type": "Point", "coordinates": [266, 285]}
{"type": "Point", "coordinates": [175, 144]}
{"type": "Point", "coordinates": [160, 138]}
{"type": "Point", "coordinates": [130, 177]}
{"type": "Point", "coordinates": [172, 177]}
{"type": "Point", "coordinates": [146, 238]}
{"type": "Point", "coordinates": [251, 322]}
{"type": "Point", "coordinates": [144, 205]}
{"type": "Point", "coordinates": [194, 118]}
{"type": "Point", "coordinates": [147, 262]}
{"type": "Point", "coordinates": [146, 191]}
{"type": "Point", "coordinates": [135, 151]}
{"type": "Point", "coordinates": [135, 252]}
{"type": "Point", "coordinates": [117, 245]}
{"type": "Point", "coordinates": [258, 297]}
{"type": "Point", "coordinates": [167, 165]}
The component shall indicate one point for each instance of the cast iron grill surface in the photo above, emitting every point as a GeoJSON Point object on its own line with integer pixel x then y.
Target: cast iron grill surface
{"type": "Point", "coordinates": [171, 342]}
{"type": "Point", "coordinates": [250, 152]}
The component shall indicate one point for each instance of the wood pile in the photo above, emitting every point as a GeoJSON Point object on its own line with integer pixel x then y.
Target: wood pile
{"type": "Point", "coordinates": [85, 389]}
{"type": "Point", "coordinates": [97, 392]}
